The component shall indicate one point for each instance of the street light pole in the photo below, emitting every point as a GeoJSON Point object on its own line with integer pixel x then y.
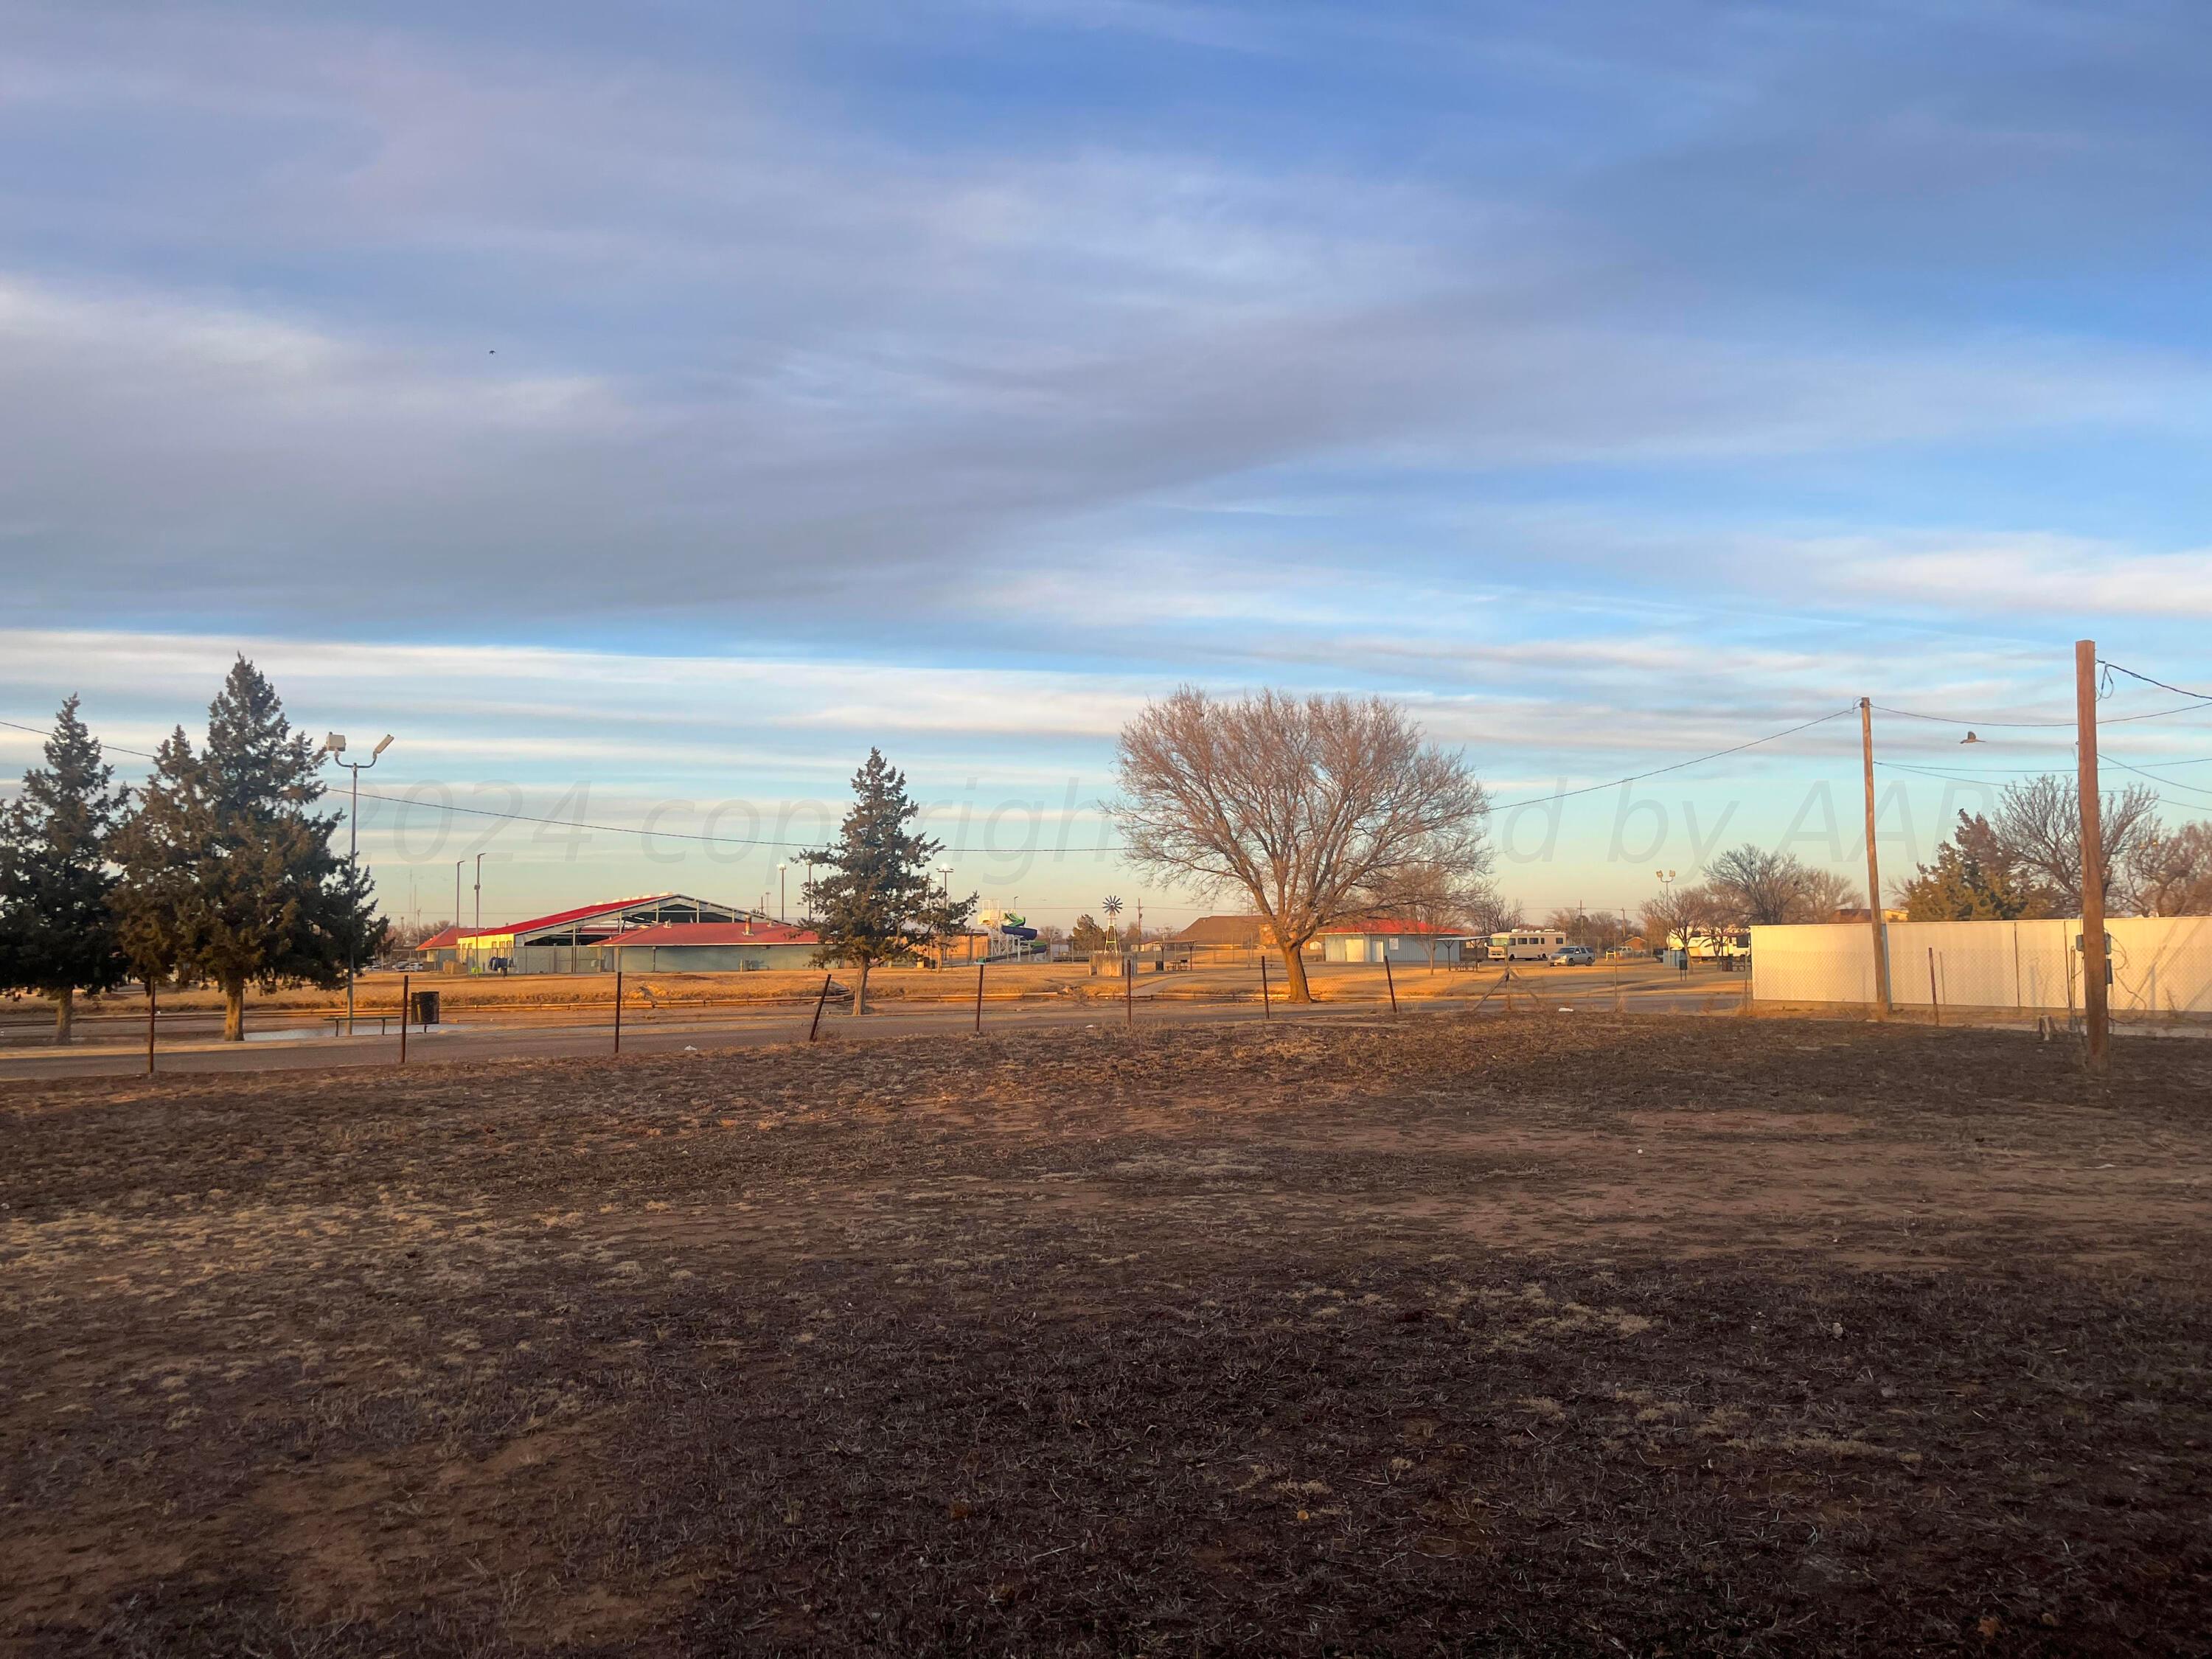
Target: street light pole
{"type": "Point", "coordinates": [334, 746]}
{"type": "Point", "coordinates": [782, 893]}
{"type": "Point", "coordinates": [1667, 897]}
{"type": "Point", "coordinates": [944, 892]}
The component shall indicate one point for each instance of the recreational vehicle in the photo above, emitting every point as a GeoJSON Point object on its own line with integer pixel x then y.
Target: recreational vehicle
{"type": "Point", "coordinates": [1525, 944]}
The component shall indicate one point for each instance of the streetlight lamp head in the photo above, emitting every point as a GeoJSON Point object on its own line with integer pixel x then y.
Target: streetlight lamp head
{"type": "Point", "coordinates": [385, 743]}
{"type": "Point", "coordinates": [334, 743]}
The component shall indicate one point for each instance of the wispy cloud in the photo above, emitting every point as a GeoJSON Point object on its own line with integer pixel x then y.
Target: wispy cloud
{"type": "Point", "coordinates": [707, 390]}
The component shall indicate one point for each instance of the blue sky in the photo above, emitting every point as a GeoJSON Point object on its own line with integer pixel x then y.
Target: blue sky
{"type": "Point", "coordinates": [645, 409]}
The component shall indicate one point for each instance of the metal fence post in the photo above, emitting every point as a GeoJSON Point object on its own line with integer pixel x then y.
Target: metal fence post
{"type": "Point", "coordinates": [824, 997]}
{"type": "Point", "coordinates": [979, 999]}
{"type": "Point", "coordinates": [618, 991]}
{"type": "Point", "coordinates": [405, 980]}
{"type": "Point", "coordinates": [1390, 980]}
{"type": "Point", "coordinates": [1267, 1003]}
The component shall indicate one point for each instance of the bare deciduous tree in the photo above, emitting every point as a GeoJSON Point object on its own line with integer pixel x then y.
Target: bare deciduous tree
{"type": "Point", "coordinates": [1489, 911]}
{"type": "Point", "coordinates": [1676, 919]}
{"type": "Point", "coordinates": [1758, 888]}
{"type": "Point", "coordinates": [1824, 893]}
{"type": "Point", "coordinates": [2172, 875]}
{"type": "Point", "coordinates": [2039, 825]}
{"type": "Point", "coordinates": [1317, 808]}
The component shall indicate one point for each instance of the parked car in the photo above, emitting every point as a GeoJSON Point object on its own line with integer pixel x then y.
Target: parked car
{"type": "Point", "coordinates": [1573, 955]}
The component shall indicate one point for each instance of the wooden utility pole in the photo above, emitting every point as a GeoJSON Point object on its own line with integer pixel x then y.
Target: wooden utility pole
{"type": "Point", "coordinates": [2096, 1001]}
{"type": "Point", "coordinates": [1873, 870]}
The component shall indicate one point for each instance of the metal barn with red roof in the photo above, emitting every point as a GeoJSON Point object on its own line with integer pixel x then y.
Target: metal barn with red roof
{"type": "Point", "coordinates": [578, 940]}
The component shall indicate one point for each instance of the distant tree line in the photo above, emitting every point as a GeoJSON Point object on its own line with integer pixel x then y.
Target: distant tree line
{"type": "Point", "coordinates": [217, 868]}
{"type": "Point", "coordinates": [1748, 886]}
{"type": "Point", "coordinates": [2021, 862]}
{"type": "Point", "coordinates": [2024, 860]}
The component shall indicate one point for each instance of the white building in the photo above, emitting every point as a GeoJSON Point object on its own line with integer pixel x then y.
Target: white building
{"type": "Point", "coordinates": [1414, 942]}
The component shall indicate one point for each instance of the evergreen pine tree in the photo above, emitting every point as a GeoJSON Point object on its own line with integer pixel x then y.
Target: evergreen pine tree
{"type": "Point", "coordinates": [871, 899]}
{"type": "Point", "coordinates": [1961, 886]}
{"type": "Point", "coordinates": [227, 870]}
{"type": "Point", "coordinates": [58, 933]}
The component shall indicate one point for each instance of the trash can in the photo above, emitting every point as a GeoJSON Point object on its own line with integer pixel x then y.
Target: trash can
{"type": "Point", "coordinates": [426, 1008]}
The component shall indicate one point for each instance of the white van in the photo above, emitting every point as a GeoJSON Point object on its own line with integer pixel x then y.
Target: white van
{"type": "Point", "coordinates": [1525, 944]}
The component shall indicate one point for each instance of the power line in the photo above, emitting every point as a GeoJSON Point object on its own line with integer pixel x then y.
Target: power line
{"type": "Point", "coordinates": [1658, 771]}
{"type": "Point", "coordinates": [2022, 726]}
{"type": "Point", "coordinates": [2169, 783]}
{"type": "Point", "coordinates": [2180, 691]}
{"type": "Point", "coordinates": [1983, 782]}
{"type": "Point", "coordinates": [1949, 720]}
{"type": "Point", "coordinates": [753, 841]}
{"type": "Point", "coordinates": [1930, 772]}
{"type": "Point", "coordinates": [47, 731]}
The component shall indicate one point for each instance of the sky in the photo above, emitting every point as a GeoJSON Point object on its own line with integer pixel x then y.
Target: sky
{"type": "Point", "coordinates": [642, 410]}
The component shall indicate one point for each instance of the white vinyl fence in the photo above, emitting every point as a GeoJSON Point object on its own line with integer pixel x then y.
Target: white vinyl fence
{"type": "Point", "coordinates": [2161, 965]}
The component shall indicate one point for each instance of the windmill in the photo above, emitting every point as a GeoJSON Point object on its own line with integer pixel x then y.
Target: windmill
{"type": "Point", "coordinates": [1112, 907]}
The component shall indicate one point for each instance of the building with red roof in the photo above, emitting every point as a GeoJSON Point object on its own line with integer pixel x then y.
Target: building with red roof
{"type": "Point", "coordinates": [1384, 939]}
{"type": "Point", "coordinates": [577, 940]}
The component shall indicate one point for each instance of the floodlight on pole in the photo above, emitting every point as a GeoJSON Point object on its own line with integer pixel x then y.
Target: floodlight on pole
{"type": "Point", "coordinates": [334, 745]}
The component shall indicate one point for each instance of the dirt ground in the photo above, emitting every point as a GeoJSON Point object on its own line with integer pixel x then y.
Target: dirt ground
{"type": "Point", "coordinates": [1550, 1336]}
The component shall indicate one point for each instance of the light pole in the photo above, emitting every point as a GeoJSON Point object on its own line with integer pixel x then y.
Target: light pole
{"type": "Point", "coordinates": [1667, 892]}
{"type": "Point", "coordinates": [782, 895]}
{"type": "Point", "coordinates": [459, 865]}
{"type": "Point", "coordinates": [334, 746]}
{"type": "Point", "coordinates": [479, 922]}
{"type": "Point", "coordinates": [944, 892]}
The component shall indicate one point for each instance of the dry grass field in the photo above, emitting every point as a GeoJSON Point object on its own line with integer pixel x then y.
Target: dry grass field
{"type": "Point", "coordinates": [526, 997]}
{"type": "Point", "coordinates": [1535, 1336]}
